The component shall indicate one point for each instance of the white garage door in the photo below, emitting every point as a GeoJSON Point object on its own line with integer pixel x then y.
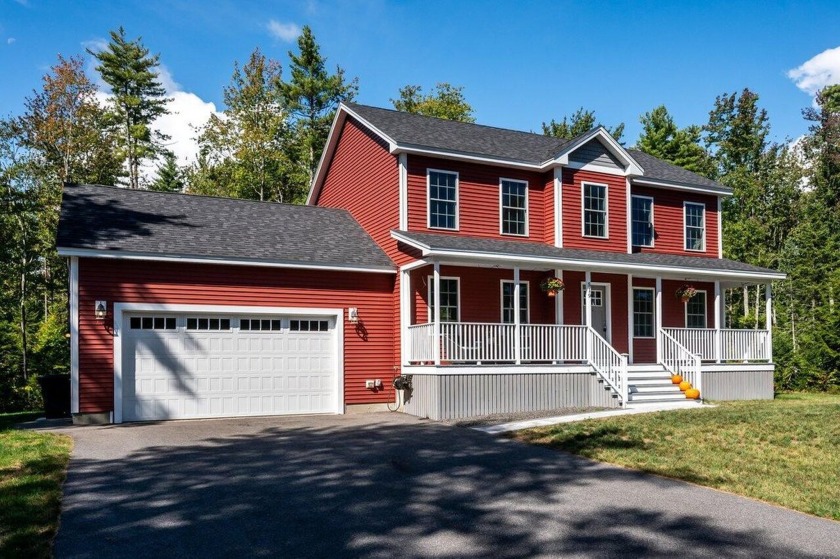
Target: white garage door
{"type": "Point", "coordinates": [179, 366]}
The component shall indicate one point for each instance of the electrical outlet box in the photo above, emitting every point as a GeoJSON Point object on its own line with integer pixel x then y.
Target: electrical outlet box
{"type": "Point", "coordinates": [370, 384]}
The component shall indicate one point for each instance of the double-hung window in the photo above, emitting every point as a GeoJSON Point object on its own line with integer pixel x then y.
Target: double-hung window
{"type": "Point", "coordinates": [449, 308]}
{"type": "Point", "coordinates": [507, 302]}
{"type": "Point", "coordinates": [595, 210]}
{"type": "Point", "coordinates": [695, 226]}
{"type": "Point", "coordinates": [643, 316]}
{"type": "Point", "coordinates": [695, 311]}
{"type": "Point", "coordinates": [514, 207]}
{"type": "Point", "coordinates": [443, 199]}
{"type": "Point", "coordinates": [642, 217]}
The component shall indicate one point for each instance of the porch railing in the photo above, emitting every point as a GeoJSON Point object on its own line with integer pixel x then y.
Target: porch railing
{"type": "Point", "coordinates": [679, 360]}
{"type": "Point", "coordinates": [733, 345]}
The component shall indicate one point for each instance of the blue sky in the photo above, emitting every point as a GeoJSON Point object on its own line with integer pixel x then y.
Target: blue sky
{"type": "Point", "coordinates": [520, 63]}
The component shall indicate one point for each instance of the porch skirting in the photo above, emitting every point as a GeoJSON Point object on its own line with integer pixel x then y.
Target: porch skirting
{"type": "Point", "coordinates": [443, 393]}
{"type": "Point", "coordinates": [738, 381]}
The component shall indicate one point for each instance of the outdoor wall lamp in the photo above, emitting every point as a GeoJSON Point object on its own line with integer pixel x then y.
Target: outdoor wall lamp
{"type": "Point", "coordinates": [100, 310]}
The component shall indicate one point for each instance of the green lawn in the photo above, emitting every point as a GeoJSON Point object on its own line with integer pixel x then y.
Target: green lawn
{"type": "Point", "coordinates": [785, 451]}
{"type": "Point", "coordinates": [32, 469]}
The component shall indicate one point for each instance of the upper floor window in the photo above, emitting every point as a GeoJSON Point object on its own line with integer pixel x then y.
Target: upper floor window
{"type": "Point", "coordinates": [642, 216]}
{"type": "Point", "coordinates": [507, 302]}
{"type": "Point", "coordinates": [514, 207]}
{"type": "Point", "coordinates": [695, 311]}
{"type": "Point", "coordinates": [443, 199]}
{"type": "Point", "coordinates": [695, 226]}
{"type": "Point", "coordinates": [594, 210]}
{"type": "Point", "coordinates": [449, 299]}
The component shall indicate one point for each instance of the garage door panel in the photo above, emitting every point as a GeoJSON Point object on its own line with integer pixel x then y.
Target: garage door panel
{"type": "Point", "coordinates": [190, 373]}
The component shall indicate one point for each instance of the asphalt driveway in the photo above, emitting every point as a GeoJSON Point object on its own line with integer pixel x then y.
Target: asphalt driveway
{"type": "Point", "coordinates": [389, 485]}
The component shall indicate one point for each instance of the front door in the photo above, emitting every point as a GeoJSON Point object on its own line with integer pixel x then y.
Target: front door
{"type": "Point", "coordinates": [600, 304]}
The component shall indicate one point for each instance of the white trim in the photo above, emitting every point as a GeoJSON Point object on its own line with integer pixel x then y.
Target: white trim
{"type": "Point", "coordinates": [501, 208]}
{"type": "Point", "coordinates": [558, 206]}
{"type": "Point", "coordinates": [714, 191]}
{"type": "Point", "coordinates": [686, 203]}
{"type": "Point", "coordinates": [597, 266]}
{"type": "Point", "coordinates": [526, 283]}
{"type": "Point", "coordinates": [121, 308]}
{"type": "Point", "coordinates": [632, 321]}
{"type": "Point", "coordinates": [403, 171]}
{"type": "Point", "coordinates": [652, 222]}
{"type": "Point", "coordinates": [720, 226]}
{"type": "Point", "coordinates": [606, 304]}
{"type": "Point", "coordinates": [120, 255]}
{"type": "Point", "coordinates": [431, 311]}
{"type": "Point", "coordinates": [583, 234]}
{"type": "Point", "coordinates": [705, 310]}
{"type": "Point", "coordinates": [429, 171]}
{"type": "Point", "coordinates": [74, 334]}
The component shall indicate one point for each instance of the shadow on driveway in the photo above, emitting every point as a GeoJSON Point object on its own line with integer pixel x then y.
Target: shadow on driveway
{"type": "Point", "coordinates": [391, 486]}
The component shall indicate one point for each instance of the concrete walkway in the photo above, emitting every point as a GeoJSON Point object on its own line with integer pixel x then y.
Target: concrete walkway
{"type": "Point", "coordinates": [556, 420]}
{"type": "Point", "coordinates": [390, 485]}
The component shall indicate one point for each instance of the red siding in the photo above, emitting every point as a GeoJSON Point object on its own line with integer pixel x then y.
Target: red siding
{"type": "Point", "coordinates": [573, 211]}
{"type": "Point", "coordinates": [368, 351]}
{"type": "Point", "coordinates": [669, 233]}
{"type": "Point", "coordinates": [478, 194]}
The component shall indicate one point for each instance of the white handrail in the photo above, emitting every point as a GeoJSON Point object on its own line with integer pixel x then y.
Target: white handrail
{"type": "Point", "coordinates": [678, 360]}
{"type": "Point", "coordinates": [608, 363]}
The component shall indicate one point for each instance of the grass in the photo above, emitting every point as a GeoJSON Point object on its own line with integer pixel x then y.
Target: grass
{"type": "Point", "coordinates": [32, 469]}
{"type": "Point", "coordinates": [785, 451]}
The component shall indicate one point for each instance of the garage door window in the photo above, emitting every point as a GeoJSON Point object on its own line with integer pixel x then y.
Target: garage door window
{"type": "Point", "coordinates": [260, 324]}
{"type": "Point", "coordinates": [208, 323]}
{"type": "Point", "coordinates": [309, 325]}
{"type": "Point", "coordinates": [153, 323]}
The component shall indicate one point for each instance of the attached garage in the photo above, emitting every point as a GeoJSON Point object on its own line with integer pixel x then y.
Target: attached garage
{"type": "Point", "coordinates": [199, 362]}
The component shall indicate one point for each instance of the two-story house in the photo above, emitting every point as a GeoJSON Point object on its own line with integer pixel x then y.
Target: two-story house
{"type": "Point", "coordinates": [424, 253]}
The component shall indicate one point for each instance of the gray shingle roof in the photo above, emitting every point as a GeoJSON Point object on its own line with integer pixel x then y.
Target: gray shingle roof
{"type": "Point", "coordinates": [500, 143]}
{"type": "Point", "coordinates": [460, 243]}
{"type": "Point", "coordinates": [119, 220]}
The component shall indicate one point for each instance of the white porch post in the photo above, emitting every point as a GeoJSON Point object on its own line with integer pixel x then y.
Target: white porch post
{"type": "Point", "coordinates": [768, 309]}
{"type": "Point", "coordinates": [718, 320]}
{"type": "Point", "coordinates": [658, 319]}
{"type": "Point", "coordinates": [436, 329]}
{"type": "Point", "coordinates": [587, 302]}
{"type": "Point", "coordinates": [517, 323]}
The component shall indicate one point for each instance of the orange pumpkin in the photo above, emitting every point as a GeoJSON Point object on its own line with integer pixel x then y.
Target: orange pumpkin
{"type": "Point", "coordinates": [692, 393]}
{"type": "Point", "coordinates": [676, 379]}
{"type": "Point", "coordinates": [685, 385]}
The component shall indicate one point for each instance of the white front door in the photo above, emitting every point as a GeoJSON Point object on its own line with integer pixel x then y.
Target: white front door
{"type": "Point", "coordinates": [600, 308]}
{"type": "Point", "coordinates": [178, 366]}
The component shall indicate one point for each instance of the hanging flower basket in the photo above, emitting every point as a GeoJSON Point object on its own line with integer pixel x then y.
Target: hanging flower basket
{"type": "Point", "coordinates": [552, 286]}
{"type": "Point", "coordinates": [686, 292]}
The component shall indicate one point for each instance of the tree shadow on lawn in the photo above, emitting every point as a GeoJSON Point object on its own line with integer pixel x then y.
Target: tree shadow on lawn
{"type": "Point", "coordinates": [398, 488]}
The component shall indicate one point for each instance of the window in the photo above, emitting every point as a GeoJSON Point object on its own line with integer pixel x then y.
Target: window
{"type": "Point", "coordinates": [695, 226]}
{"type": "Point", "coordinates": [309, 325]}
{"type": "Point", "coordinates": [507, 302]}
{"type": "Point", "coordinates": [153, 323]}
{"type": "Point", "coordinates": [595, 210]}
{"type": "Point", "coordinates": [514, 207]}
{"type": "Point", "coordinates": [643, 320]}
{"type": "Point", "coordinates": [443, 199]}
{"type": "Point", "coordinates": [259, 324]}
{"type": "Point", "coordinates": [194, 323]}
{"type": "Point", "coordinates": [448, 299]}
{"type": "Point", "coordinates": [642, 216]}
{"type": "Point", "coordinates": [695, 311]}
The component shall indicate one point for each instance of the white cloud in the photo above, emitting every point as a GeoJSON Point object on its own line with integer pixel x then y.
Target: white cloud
{"type": "Point", "coordinates": [818, 72]}
{"type": "Point", "coordinates": [284, 31]}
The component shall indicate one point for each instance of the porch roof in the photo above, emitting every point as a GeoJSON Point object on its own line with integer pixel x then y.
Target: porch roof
{"type": "Point", "coordinates": [481, 250]}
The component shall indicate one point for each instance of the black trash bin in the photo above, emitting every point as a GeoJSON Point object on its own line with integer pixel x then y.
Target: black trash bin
{"type": "Point", "coordinates": [56, 392]}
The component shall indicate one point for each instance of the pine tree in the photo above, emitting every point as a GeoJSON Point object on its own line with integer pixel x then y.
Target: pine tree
{"type": "Point", "coordinates": [169, 177]}
{"type": "Point", "coordinates": [446, 101]}
{"type": "Point", "coordinates": [138, 99]}
{"type": "Point", "coordinates": [662, 138]}
{"type": "Point", "coordinates": [581, 122]}
{"type": "Point", "coordinates": [312, 96]}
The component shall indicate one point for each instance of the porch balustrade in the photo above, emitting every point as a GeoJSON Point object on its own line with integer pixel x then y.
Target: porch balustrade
{"type": "Point", "coordinates": [732, 345]}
